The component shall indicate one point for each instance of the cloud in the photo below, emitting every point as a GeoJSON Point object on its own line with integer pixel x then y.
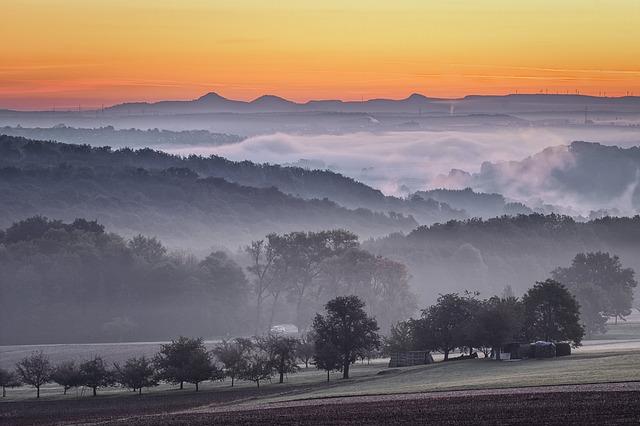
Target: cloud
{"type": "Point", "coordinates": [402, 162]}
{"type": "Point", "coordinates": [392, 159]}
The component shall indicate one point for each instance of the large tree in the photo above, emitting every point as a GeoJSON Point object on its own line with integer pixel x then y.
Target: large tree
{"type": "Point", "coordinates": [8, 379]}
{"type": "Point", "coordinates": [136, 373]}
{"type": "Point", "coordinates": [95, 374]}
{"type": "Point", "coordinates": [347, 327]}
{"type": "Point", "coordinates": [67, 375]}
{"type": "Point", "coordinates": [302, 255]}
{"type": "Point", "coordinates": [445, 326]}
{"type": "Point", "coordinates": [603, 287]}
{"type": "Point", "coordinates": [552, 314]}
{"type": "Point", "coordinates": [181, 360]}
{"type": "Point", "coordinates": [262, 268]}
{"type": "Point", "coordinates": [232, 354]}
{"type": "Point", "coordinates": [497, 322]}
{"type": "Point", "coordinates": [282, 352]}
{"type": "Point", "coordinates": [35, 370]}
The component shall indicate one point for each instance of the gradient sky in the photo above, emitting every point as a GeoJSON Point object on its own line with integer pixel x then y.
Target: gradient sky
{"type": "Point", "coordinates": [64, 53]}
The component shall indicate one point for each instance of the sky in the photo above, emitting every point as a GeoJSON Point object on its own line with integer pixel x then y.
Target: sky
{"type": "Point", "coordinates": [70, 53]}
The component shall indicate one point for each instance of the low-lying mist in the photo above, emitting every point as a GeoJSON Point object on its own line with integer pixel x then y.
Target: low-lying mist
{"type": "Point", "coordinates": [399, 163]}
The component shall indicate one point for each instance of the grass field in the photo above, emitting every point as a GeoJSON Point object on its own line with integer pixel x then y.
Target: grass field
{"type": "Point", "coordinates": [217, 402]}
{"type": "Point", "coordinates": [614, 357]}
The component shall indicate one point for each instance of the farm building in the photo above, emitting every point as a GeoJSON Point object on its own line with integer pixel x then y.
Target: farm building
{"type": "Point", "coordinates": [407, 359]}
{"type": "Point", "coordinates": [536, 350]}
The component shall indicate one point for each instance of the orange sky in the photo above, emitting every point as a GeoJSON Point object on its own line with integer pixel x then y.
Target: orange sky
{"type": "Point", "coordinates": [65, 53]}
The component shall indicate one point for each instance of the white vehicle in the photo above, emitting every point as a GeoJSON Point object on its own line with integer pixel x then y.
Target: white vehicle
{"type": "Point", "coordinates": [284, 329]}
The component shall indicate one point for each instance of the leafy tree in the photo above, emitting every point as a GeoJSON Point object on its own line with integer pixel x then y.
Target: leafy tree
{"type": "Point", "coordinates": [67, 375]}
{"type": "Point", "coordinates": [303, 255]}
{"type": "Point", "coordinates": [602, 287]}
{"type": "Point", "coordinates": [148, 248]}
{"type": "Point", "coordinates": [95, 374]}
{"type": "Point", "coordinates": [327, 356]}
{"type": "Point", "coordinates": [306, 348]}
{"type": "Point", "coordinates": [445, 325]}
{"type": "Point", "coordinates": [499, 321]}
{"type": "Point", "coordinates": [400, 338]}
{"type": "Point", "coordinates": [347, 327]}
{"type": "Point", "coordinates": [35, 370]}
{"type": "Point", "coordinates": [173, 362]}
{"type": "Point", "coordinates": [552, 314]}
{"type": "Point", "coordinates": [232, 355]}
{"type": "Point", "coordinates": [257, 366]}
{"type": "Point", "coordinates": [282, 353]}
{"type": "Point", "coordinates": [8, 379]}
{"type": "Point", "coordinates": [200, 368]}
{"type": "Point", "coordinates": [136, 373]}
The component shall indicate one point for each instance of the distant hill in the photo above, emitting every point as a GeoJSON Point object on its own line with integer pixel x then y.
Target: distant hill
{"type": "Point", "coordinates": [108, 135]}
{"type": "Point", "coordinates": [414, 104]}
{"type": "Point", "coordinates": [299, 182]}
{"type": "Point", "coordinates": [487, 255]}
{"type": "Point", "coordinates": [583, 176]}
{"type": "Point", "coordinates": [156, 194]}
{"type": "Point", "coordinates": [475, 204]}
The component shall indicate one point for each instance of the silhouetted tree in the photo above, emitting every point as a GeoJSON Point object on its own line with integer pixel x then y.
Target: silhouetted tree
{"type": "Point", "coordinates": [257, 366]}
{"type": "Point", "coordinates": [306, 348]}
{"type": "Point", "coordinates": [67, 375]}
{"type": "Point", "coordinates": [327, 356]}
{"type": "Point", "coordinates": [200, 368]}
{"type": "Point", "coordinates": [282, 353]}
{"type": "Point", "coordinates": [400, 338]}
{"type": "Point", "coordinates": [95, 374]}
{"type": "Point", "coordinates": [498, 321]}
{"type": "Point", "coordinates": [232, 354]}
{"type": "Point", "coordinates": [174, 359]}
{"type": "Point", "coordinates": [35, 370]}
{"type": "Point", "coordinates": [348, 328]}
{"type": "Point", "coordinates": [136, 373]}
{"type": "Point", "coordinates": [8, 379]}
{"type": "Point", "coordinates": [552, 314]}
{"type": "Point", "coordinates": [445, 325]}
{"type": "Point", "coordinates": [602, 287]}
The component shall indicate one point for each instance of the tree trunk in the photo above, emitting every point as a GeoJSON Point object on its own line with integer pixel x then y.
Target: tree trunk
{"type": "Point", "coordinates": [306, 363]}
{"type": "Point", "coordinates": [345, 370]}
{"type": "Point", "coordinates": [281, 377]}
{"type": "Point", "coordinates": [181, 385]}
{"type": "Point", "coordinates": [4, 391]}
{"type": "Point", "coordinates": [273, 309]}
{"type": "Point", "coordinates": [37, 391]}
{"type": "Point", "coordinates": [64, 392]}
{"type": "Point", "coordinates": [232, 379]}
{"type": "Point", "coordinates": [139, 391]}
{"type": "Point", "coordinates": [446, 354]}
{"type": "Point", "coordinates": [258, 315]}
{"type": "Point", "coordinates": [327, 375]}
{"type": "Point", "coordinates": [196, 386]}
{"type": "Point", "coordinates": [258, 383]}
{"type": "Point", "coordinates": [95, 391]}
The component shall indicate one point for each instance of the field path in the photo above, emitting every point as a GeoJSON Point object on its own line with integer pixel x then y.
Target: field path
{"type": "Point", "coordinates": [619, 401]}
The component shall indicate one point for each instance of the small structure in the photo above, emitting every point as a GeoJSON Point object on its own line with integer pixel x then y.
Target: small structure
{"type": "Point", "coordinates": [409, 358]}
{"type": "Point", "coordinates": [563, 349]}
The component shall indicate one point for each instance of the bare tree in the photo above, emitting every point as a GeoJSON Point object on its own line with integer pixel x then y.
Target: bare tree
{"type": "Point", "coordinates": [35, 370]}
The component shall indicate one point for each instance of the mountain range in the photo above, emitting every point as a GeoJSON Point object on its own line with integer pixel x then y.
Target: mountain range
{"type": "Point", "coordinates": [414, 104]}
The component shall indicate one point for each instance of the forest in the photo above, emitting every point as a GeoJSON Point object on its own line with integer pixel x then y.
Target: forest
{"type": "Point", "coordinates": [70, 282]}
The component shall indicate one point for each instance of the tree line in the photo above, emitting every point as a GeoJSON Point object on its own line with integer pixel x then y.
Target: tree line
{"type": "Point", "coordinates": [74, 281]}
{"type": "Point", "coordinates": [338, 338]}
{"type": "Point", "coordinates": [547, 312]}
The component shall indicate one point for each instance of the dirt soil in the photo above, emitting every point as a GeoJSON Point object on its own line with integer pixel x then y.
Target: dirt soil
{"type": "Point", "coordinates": [615, 403]}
